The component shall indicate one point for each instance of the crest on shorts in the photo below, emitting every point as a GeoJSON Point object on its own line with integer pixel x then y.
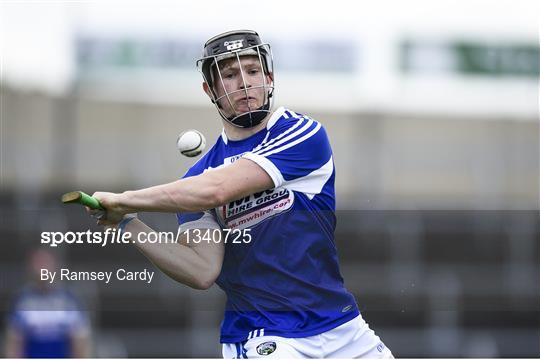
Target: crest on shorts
{"type": "Point", "coordinates": [266, 348]}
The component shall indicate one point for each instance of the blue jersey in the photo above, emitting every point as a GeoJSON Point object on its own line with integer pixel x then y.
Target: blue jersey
{"type": "Point", "coordinates": [47, 320]}
{"type": "Point", "coordinates": [286, 280]}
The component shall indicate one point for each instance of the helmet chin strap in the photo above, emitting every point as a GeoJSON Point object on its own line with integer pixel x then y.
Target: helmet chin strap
{"type": "Point", "coordinates": [251, 118]}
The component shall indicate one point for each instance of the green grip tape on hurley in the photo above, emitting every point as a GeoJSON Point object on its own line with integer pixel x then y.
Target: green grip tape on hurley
{"type": "Point", "coordinates": [79, 197]}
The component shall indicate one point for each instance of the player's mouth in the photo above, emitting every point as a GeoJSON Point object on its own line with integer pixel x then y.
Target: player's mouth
{"type": "Point", "coordinates": [245, 101]}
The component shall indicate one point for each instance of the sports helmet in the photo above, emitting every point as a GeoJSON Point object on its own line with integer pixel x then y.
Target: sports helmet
{"type": "Point", "coordinates": [234, 44]}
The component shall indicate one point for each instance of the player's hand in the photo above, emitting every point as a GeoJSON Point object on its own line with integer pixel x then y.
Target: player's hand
{"type": "Point", "coordinates": [113, 213]}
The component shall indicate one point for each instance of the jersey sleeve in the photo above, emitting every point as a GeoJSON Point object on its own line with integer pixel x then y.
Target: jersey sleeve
{"type": "Point", "coordinates": [296, 155]}
{"type": "Point", "coordinates": [14, 320]}
{"type": "Point", "coordinates": [14, 315]}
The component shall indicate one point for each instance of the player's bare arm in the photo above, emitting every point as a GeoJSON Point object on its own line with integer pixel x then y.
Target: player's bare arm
{"type": "Point", "coordinates": [206, 191]}
{"type": "Point", "coordinates": [196, 265]}
{"type": "Point", "coordinates": [13, 343]}
{"type": "Point", "coordinates": [81, 344]}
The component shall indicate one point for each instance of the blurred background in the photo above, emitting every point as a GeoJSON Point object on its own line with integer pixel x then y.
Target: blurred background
{"type": "Point", "coordinates": [432, 112]}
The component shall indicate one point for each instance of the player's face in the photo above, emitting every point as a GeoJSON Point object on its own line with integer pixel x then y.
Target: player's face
{"type": "Point", "coordinates": [41, 259]}
{"type": "Point", "coordinates": [246, 89]}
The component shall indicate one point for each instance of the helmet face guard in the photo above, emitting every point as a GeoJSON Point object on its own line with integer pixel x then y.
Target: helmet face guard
{"type": "Point", "coordinates": [234, 45]}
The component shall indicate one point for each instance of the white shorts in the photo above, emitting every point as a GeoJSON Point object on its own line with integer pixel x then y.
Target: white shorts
{"type": "Point", "coordinates": [354, 339]}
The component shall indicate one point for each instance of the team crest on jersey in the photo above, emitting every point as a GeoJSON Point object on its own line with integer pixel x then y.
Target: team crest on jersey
{"type": "Point", "coordinates": [266, 348]}
{"type": "Point", "coordinates": [251, 210]}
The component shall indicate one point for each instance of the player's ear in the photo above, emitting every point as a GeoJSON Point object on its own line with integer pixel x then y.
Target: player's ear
{"type": "Point", "coordinates": [208, 92]}
{"type": "Point", "coordinates": [270, 78]}
{"type": "Point", "coordinates": [206, 89]}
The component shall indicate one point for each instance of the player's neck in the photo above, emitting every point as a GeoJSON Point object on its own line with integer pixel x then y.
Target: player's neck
{"type": "Point", "coordinates": [235, 133]}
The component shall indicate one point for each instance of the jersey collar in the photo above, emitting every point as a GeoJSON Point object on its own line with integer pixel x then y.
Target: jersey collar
{"type": "Point", "coordinates": [276, 115]}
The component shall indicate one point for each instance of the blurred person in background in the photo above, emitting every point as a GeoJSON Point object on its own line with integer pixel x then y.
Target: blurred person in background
{"type": "Point", "coordinates": [269, 177]}
{"type": "Point", "coordinates": [45, 320]}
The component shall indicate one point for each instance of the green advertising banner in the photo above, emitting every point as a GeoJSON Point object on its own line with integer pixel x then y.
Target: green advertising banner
{"type": "Point", "coordinates": [471, 58]}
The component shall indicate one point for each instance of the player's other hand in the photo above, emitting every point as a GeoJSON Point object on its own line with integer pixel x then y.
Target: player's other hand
{"type": "Point", "coordinates": [113, 214]}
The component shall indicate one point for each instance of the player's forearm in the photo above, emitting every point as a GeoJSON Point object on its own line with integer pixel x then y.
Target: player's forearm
{"type": "Point", "coordinates": [81, 345]}
{"type": "Point", "coordinates": [181, 263]}
{"type": "Point", "coordinates": [13, 343]}
{"type": "Point", "coordinates": [186, 195]}
{"type": "Point", "coordinates": [206, 191]}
